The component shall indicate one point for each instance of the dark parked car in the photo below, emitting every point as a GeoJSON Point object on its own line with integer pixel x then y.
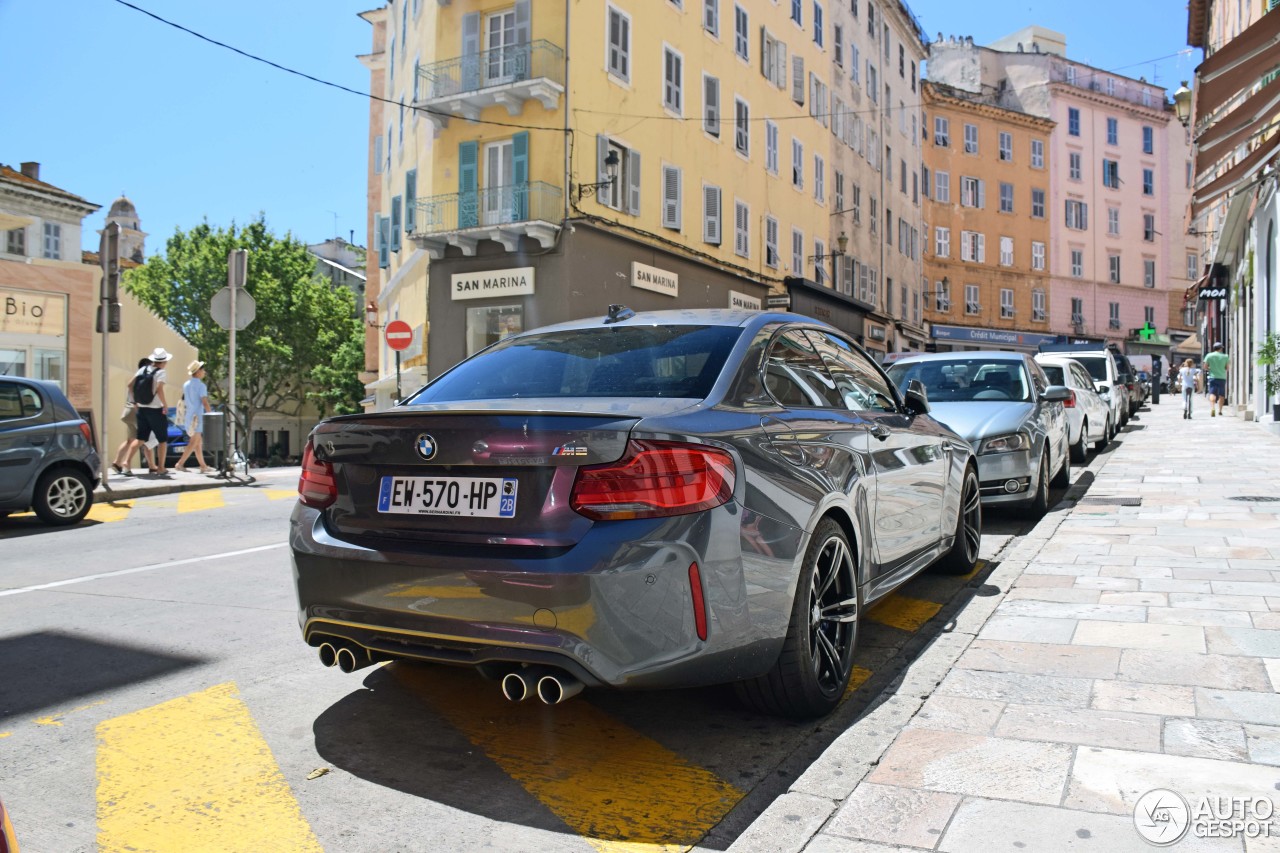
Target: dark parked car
{"type": "Point", "coordinates": [638, 501]}
{"type": "Point", "coordinates": [47, 459]}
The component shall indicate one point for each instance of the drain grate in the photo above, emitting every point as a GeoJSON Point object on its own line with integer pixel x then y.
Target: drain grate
{"type": "Point", "coordinates": [1256, 499]}
{"type": "Point", "coordinates": [1112, 501]}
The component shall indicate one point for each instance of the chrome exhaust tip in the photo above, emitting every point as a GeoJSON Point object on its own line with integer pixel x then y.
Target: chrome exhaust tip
{"type": "Point", "coordinates": [558, 687]}
{"type": "Point", "coordinates": [328, 654]}
{"type": "Point", "coordinates": [515, 687]}
{"type": "Point", "coordinates": [349, 661]}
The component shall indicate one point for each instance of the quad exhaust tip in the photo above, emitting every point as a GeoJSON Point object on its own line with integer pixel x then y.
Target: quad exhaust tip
{"type": "Point", "coordinates": [346, 656]}
{"type": "Point", "coordinates": [549, 685]}
{"type": "Point", "coordinates": [558, 687]}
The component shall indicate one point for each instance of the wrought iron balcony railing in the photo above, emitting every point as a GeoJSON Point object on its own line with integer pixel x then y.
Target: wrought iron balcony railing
{"type": "Point", "coordinates": [489, 206]}
{"type": "Point", "coordinates": [538, 59]}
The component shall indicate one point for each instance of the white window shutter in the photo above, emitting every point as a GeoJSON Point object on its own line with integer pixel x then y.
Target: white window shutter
{"type": "Point", "coordinates": [633, 181]}
{"type": "Point", "coordinates": [797, 79]}
{"type": "Point", "coordinates": [711, 215]}
{"type": "Point", "coordinates": [982, 248]}
{"type": "Point", "coordinates": [671, 197]}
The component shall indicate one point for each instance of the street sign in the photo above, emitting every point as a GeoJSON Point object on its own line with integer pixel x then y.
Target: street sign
{"type": "Point", "coordinates": [777, 301]}
{"type": "Point", "coordinates": [399, 335]}
{"type": "Point", "coordinates": [220, 308]}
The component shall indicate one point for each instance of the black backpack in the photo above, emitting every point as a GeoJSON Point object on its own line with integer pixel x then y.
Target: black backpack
{"type": "Point", "coordinates": [144, 386]}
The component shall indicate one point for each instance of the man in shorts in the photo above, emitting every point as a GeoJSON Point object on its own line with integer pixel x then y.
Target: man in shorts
{"type": "Point", "coordinates": [1215, 364]}
{"type": "Point", "coordinates": [153, 419]}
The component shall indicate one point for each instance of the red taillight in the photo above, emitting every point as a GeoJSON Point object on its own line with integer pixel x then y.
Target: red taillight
{"type": "Point", "coordinates": [84, 430]}
{"type": "Point", "coordinates": [699, 603]}
{"type": "Point", "coordinates": [654, 479]}
{"type": "Point", "coordinates": [316, 486]}
{"type": "Point", "coordinates": [1070, 402]}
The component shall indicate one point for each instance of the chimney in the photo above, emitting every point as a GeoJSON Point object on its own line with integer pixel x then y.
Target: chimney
{"type": "Point", "coordinates": [31, 170]}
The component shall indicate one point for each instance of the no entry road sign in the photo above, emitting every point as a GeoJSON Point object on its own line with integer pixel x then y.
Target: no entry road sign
{"type": "Point", "coordinates": [399, 335]}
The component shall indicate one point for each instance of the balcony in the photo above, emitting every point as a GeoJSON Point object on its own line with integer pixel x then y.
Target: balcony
{"type": "Point", "coordinates": [463, 86]}
{"type": "Point", "coordinates": [502, 214]}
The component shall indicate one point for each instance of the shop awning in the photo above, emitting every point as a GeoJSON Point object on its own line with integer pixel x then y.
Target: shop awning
{"type": "Point", "coordinates": [1236, 127]}
{"type": "Point", "coordinates": [1237, 65]}
{"type": "Point", "coordinates": [1191, 346]}
{"type": "Point", "coordinates": [1236, 175]}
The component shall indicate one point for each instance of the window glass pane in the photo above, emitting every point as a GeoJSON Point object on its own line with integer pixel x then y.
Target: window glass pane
{"type": "Point", "coordinates": [490, 324]}
{"type": "Point", "coordinates": [13, 362]}
{"type": "Point", "coordinates": [796, 377]}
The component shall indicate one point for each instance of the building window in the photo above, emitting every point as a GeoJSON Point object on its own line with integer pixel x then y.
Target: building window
{"type": "Point", "coordinates": [711, 214]}
{"type": "Point", "coordinates": [773, 61]}
{"type": "Point", "coordinates": [1006, 197]}
{"type": "Point", "coordinates": [941, 131]}
{"type": "Point", "coordinates": [838, 176]}
{"type": "Point", "coordinates": [1077, 215]}
{"type": "Point", "coordinates": [817, 24]}
{"type": "Point", "coordinates": [1148, 272]}
{"type": "Point", "coordinates": [1073, 166]}
{"type": "Point", "coordinates": [1148, 139]}
{"type": "Point", "coordinates": [797, 12]}
{"type": "Point", "coordinates": [624, 193]}
{"type": "Point", "coordinates": [1037, 306]}
{"type": "Point", "coordinates": [671, 197]}
{"type": "Point", "coordinates": [15, 241]}
{"type": "Point", "coordinates": [771, 242]}
{"type": "Point", "coordinates": [797, 251]}
{"type": "Point", "coordinates": [942, 296]}
{"type": "Point", "coordinates": [1037, 203]}
{"type": "Point", "coordinates": [1037, 153]}
{"type": "Point", "coordinates": [1149, 227]}
{"type": "Point", "coordinates": [797, 164]}
{"type": "Point", "coordinates": [1113, 317]}
{"type": "Point", "coordinates": [1006, 303]}
{"type": "Point", "coordinates": [1110, 174]}
{"type": "Point", "coordinates": [1037, 255]}
{"type": "Point", "coordinates": [857, 204]}
{"type": "Point", "coordinates": [711, 105]}
{"type": "Point", "coordinates": [1148, 182]}
{"type": "Point", "coordinates": [1073, 120]}
{"type": "Point", "coordinates": [942, 187]}
{"type": "Point", "coordinates": [1006, 146]}
{"type": "Point", "coordinates": [819, 179]}
{"type": "Point", "coordinates": [711, 16]}
{"type": "Point", "coordinates": [1149, 314]}
{"type": "Point", "coordinates": [972, 192]}
{"type": "Point", "coordinates": [1193, 266]}
{"type": "Point", "coordinates": [1113, 264]}
{"type": "Point", "coordinates": [875, 216]}
{"type": "Point", "coordinates": [771, 147]}
{"type": "Point", "coordinates": [52, 241]}
{"type": "Point", "coordinates": [837, 43]}
{"type": "Point", "coordinates": [491, 323]}
{"type": "Point", "coordinates": [1077, 263]}
{"type": "Point", "coordinates": [1077, 311]}
{"type": "Point", "coordinates": [971, 303]}
{"type": "Point", "coordinates": [971, 139]}
{"type": "Point", "coordinates": [1113, 221]}
{"type": "Point", "coordinates": [1006, 251]}
{"type": "Point", "coordinates": [618, 37]}
{"type": "Point", "coordinates": [820, 262]}
{"type": "Point", "coordinates": [741, 229]}
{"type": "Point", "coordinates": [941, 242]}
{"type": "Point", "coordinates": [672, 80]}
{"type": "Point", "coordinates": [1113, 132]}
{"type": "Point", "coordinates": [741, 127]}
{"type": "Point", "coordinates": [973, 247]}
{"type": "Point", "coordinates": [741, 43]}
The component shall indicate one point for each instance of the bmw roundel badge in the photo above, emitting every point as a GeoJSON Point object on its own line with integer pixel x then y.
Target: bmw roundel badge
{"type": "Point", "coordinates": [426, 446]}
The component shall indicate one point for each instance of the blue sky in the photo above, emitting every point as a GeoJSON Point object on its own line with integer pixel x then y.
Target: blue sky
{"type": "Point", "coordinates": [112, 101]}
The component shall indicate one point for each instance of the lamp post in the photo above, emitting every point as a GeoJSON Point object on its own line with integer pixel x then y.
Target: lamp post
{"type": "Point", "coordinates": [1182, 104]}
{"type": "Point", "coordinates": [611, 163]}
{"type": "Point", "coordinates": [842, 243]}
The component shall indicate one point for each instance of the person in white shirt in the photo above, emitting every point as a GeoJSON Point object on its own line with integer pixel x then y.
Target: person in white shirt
{"type": "Point", "coordinates": [195, 399]}
{"type": "Point", "coordinates": [1187, 382]}
{"type": "Point", "coordinates": [152, 417]}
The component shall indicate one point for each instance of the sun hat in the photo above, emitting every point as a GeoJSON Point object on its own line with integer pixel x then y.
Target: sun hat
{"type": "Point", "coordinates": [159, 354]}
{"type": "Point", "coordinates": [194, 366]}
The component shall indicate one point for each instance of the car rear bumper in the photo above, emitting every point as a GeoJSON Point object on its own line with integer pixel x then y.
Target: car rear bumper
{"type": "Point", "coordinates": [616, 609]}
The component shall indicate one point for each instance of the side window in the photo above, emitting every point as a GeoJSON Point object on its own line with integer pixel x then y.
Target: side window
{"type": "Point", "coordinates": [795, 376]}
{"type": "Point", "coordinates": [861, 385]}
{"type": "Point", "coordinates": [18, 401]}
{"type": "Point", "coordinates": [1038, 379]}
{"type": "Point", "coordinates": [1081, 377]}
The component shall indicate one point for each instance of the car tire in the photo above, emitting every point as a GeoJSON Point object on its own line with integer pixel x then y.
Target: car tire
{"type": "Point", "coordinates": [1106, 436]}
{"type": "Point", "coordinates": [962, 559]}
{"type": "Point", "coordinates": [812, 671]}
{"type": "Point", "coordinates": [1062, 477]}
{"type": "Point", "coordinates": [1039, 503]}
{"type": "Point", "coordinates": [63, 496]}
{"type": "Point", "coordinates": [1079, 453]}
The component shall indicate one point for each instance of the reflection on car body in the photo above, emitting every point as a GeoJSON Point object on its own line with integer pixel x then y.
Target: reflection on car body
{"type": "Point", "coordinates": [747, 483]}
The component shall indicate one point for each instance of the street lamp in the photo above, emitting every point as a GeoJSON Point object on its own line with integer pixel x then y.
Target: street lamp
{"type": "Point", "coordinates": [371, 315]}
{"type": "Point", "coordinates": [611, 163]}
{"type": "Point", "coordinates": [842, 243]}
{"type": "Point", "coordinates": [1182, 103]}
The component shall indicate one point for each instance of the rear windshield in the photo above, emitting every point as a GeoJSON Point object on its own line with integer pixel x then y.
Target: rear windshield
{"type": "Point", "coordinates": [1095, 364]}
{"type": "Point", "coordinates": [964, 379]}
{"type": "Point", "coordinates": [1054, 372]}
{"type": "Point", "coordinates": [611, 361]}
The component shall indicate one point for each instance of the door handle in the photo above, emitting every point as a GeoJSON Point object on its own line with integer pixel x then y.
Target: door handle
{"type": "Point", "coordinates": [881, 432]}
{"type": "Point", "coordinates": [37, 441]}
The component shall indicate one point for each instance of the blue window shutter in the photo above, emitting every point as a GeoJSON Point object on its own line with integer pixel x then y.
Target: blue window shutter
{"type": "Point", "coordinates": [380, 234]}
{"type": "Point", "coordinates": [471, 52]}
{"type": "Point", "coordinates": [520, 176]}
{"type": "Point", "coordinates": [468, 211]}
{"type": "Point", "coordinates": [395, 224]}
{"type": "Point", "coordinates": [524, 36]}
{"type": "Point", "coordinates": [410, 200]}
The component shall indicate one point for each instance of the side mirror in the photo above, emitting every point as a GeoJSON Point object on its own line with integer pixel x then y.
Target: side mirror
{"type": "Point", "coordinates": [1056, 394]}
{"type": "Point", "coordinates": [1102, 389]}
{"type": "Point", "coordinates": [916, 398]}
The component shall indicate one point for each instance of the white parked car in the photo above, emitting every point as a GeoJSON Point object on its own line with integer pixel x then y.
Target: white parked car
{"type": "Point", "coordinates": [1088, 415]}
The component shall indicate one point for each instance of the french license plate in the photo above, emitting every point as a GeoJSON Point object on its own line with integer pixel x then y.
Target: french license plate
{"type": "Point", "coordinates": [476, 497]}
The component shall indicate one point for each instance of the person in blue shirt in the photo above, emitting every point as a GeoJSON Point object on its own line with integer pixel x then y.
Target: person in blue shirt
{"type": "Point", "coordinates": [195, 401]}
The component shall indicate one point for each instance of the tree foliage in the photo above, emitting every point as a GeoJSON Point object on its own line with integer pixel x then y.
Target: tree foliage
{"type": "Point", "coordinates": [305, 343]}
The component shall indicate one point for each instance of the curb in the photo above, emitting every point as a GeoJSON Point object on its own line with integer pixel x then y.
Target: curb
{"type": "Point", "coordinates": [793, 820]}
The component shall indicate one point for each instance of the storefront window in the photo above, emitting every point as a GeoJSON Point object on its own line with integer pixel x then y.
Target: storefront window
{"type": "Point", "coordinates": [491, 324]}
{"type": "Point", "coordinates": [49, 365]}
{"type": "Point", "coordinates": [13, 362]}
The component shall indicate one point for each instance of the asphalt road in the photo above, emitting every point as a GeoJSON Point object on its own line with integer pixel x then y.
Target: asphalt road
{"type": "Point", "coordinates": [157, 696]}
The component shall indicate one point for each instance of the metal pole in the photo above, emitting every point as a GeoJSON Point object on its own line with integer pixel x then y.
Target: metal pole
{"type": "Point", "coordinates": [399, 396]}
{"type": "Point", "coordinates": [104, 311]}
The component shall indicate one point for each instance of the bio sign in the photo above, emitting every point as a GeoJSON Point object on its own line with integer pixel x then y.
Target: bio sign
{"type": "Point", "coordinates": [27, 312]}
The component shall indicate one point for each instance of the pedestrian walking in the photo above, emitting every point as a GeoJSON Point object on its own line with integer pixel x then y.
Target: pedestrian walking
{"type": "Point", "coordinates": [129, 416]}
{"type": "Point", "coordinates": [1215, 363]}
{"type": "Point", "coordinates": [148, 394]}
{"type": "Point", "coordinates": [1187, 382]}
{"type": "Point", "coordinates": [195, 402]}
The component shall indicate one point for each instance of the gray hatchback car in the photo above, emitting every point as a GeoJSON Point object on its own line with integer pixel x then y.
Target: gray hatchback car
{"type": "Point", "coordinates": [653, 500]}
{"type": "Point", "coordinates": [47, 459]}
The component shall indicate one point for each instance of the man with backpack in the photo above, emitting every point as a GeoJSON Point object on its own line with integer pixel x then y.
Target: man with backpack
{"type": "Point", "coordinates": [148, 396]}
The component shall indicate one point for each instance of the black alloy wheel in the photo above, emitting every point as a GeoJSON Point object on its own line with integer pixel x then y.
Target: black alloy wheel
{"type": "Point", "coordinates": [1039, 504]}
{"type": "Point", "coordinates": [963, 556]}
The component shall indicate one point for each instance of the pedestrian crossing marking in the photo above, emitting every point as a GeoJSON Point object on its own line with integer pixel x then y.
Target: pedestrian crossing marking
{"type": "Point", "coordinates": [907, 614]}
{"type": "Point", "coordinates": [556, 755]}
{"type": "Point", "coordinates": [194, 773]}
{"type": "Point", "coordinates": [201, 500]}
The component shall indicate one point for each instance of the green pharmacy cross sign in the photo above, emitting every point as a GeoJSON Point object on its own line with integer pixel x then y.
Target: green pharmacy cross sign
{"type": "Point", "coordinates": [1146, 333]}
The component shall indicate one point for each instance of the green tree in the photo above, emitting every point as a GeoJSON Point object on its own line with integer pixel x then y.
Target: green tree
{"type": "Point", "coordinates": [305, 343]}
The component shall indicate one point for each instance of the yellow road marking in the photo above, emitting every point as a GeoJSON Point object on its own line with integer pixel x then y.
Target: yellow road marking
{"type": "Point", "coordinates": [201, 500]}
{"type": "Point", "coordinates": [56, 719]}
{"type": "Point", "coordinates": [908, 614]}
{"type": "Point", "coordinates": [114, 511]}
{"type": "Point", "coordinates": [280, 494]}
{"type": "Point", "coordinates": [857, 678]}
{"type": "Point", "coordinates": [643, 797]}
{"type": "Point", "coordinates": [194, 774]}
{"type": "Point", "coordinates": [5, 734]}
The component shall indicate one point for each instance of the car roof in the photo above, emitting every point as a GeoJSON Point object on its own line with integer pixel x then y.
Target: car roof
{"type": "Point", "coordinates": [990, 355]}
{"type": "Point", "coordinates": [733, 317]}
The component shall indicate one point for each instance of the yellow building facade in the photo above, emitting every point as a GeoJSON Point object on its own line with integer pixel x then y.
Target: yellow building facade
{"type": "Point", "coordinates": [987, 222]}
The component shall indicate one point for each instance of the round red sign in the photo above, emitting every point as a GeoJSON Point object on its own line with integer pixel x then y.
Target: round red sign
{"type": "Point", "coordinates": [398, 334]}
